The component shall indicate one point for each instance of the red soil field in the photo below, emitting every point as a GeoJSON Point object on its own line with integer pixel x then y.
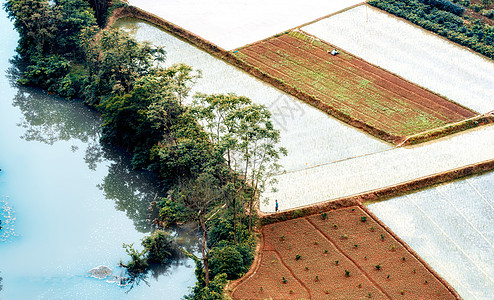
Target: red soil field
{"type": "Point", "coordinates": [352, 86]}
{"type": "Point", "coordinates": [340, 254]}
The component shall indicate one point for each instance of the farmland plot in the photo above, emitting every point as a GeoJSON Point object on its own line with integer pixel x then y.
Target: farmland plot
{"type": "Point", "coordinates": [352, 86]}
{"type": "Point", "coordinates": [231, 24]}
{"type": "Point", "coordinates": [413, 53]}
{"type": "Point", "coordinates": [452, 227]}
{"type": "Point", "coordinates": [310, 136]}
{"type": "Point", "coordinates": [380, 170]}
{"type": "Point", "coordinates": [340, 254]}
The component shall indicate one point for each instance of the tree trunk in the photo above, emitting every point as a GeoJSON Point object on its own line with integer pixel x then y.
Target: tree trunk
{"type": "Point", "coordinates": [205, 257]}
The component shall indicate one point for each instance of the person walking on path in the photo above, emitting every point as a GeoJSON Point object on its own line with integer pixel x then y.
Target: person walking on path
{"type": "Point", "coordinates": [276, 206]}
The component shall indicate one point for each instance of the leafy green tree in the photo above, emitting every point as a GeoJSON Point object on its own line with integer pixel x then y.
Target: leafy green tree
{"type": "Point", "coordinates": [115, 61]}
{"type": "Point", "coordinates": [36, 21]}
{"type": "Point", "coordinates": [257, 150]}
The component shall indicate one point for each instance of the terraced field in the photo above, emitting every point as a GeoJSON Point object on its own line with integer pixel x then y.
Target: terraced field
{"type": "Point", "coordinates": [352, 86]}
{"type": "Point", "coordinates": [340, 254]}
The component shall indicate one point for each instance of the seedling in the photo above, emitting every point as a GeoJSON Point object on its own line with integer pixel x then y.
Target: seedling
{"type": "Point", "coordinates": [324, 216]}
{"type": "Point", "coordinates": [414, 271]}
{"type": "Point", "coordinates": [353, 209]}
{"type": "Point", "coordinates": [326, 251]}
{"type": "Point", "coordinates": [307, 268]}
{"type": "Point", "coordinates": [403, 258]}
{"type": "Point", "coordinates": [372, 229]}
{"type": "Point", "coordinates": [359, 285]}
{"type": "Point", "coordinates": [369, 295]}
{"type": "Point", "coordinates": [316, 243]}
{"type": "Point", "coordinates": [291, 292]}
{"type": "Point", "coordinates": [387, 277]}
{"type": "Point", "coordinates": [393, 248]}
{"type": "Point", "coordinates": [382, 237]}
{"type": "Point", "coordinates": [426, 281]}
{"type": "Point", "coordinates": [355, 245]}
{"type": "Point", "coordinates": [336, 262]}
{"type": "Point", "coordinates": [344, 236]}
{"type": "Point", "coordinates": [261, 289]}
{"type": "Point", "coordinates": [326, 292]}
{"type": "Point", "coordinates": [297, 257]}
{"type": "Point", "coordinates": [363, 219]}
{"type": "Point", "coordinates": [316, 279]}
{"type": "Point", "coordinates": [282, 238]}
{"type": "Point", "coordinates": [335, 226]}
{"type": "Point", "coordinates": [284, 280]}
{"type": "Point", "coordinates": [378, 266]}
{"type": "Point", "coordinates": [402, 292]}
{"type": "Point", "coordinates": [347, 273]}
{"type": "Point", "coordinates": [365, 257]}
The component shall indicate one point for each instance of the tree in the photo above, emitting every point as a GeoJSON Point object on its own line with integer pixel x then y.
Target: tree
{"type": "Point", "coordinates": [201, 196]}
{"type": "Point", "coordinates": [257, 149]}
{"type": "Point", "coordinates": [115, 61]}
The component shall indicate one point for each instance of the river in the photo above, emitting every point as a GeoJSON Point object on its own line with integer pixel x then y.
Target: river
{"type": "Point", "coordinates": [68, 203]}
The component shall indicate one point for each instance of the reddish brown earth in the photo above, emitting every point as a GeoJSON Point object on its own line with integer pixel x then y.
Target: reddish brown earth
{"type": "Point", "coordinates": [352, 86]}
{"type": "Point", "coordinates": [346, 254]}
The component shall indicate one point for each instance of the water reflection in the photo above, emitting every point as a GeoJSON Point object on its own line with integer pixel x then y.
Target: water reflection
{"type": "Point", "coordinates": [48, 119]}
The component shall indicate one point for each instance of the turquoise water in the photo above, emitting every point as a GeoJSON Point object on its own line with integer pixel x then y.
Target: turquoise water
{"type": "Point", "coordinates": [67, 203]}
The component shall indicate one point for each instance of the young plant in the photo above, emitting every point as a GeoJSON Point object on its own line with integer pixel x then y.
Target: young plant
{"type": "Point", "coordinates": [324, 216]}
{"type": "Point", "coordinates": [336, 262]}
{"type": "Point", "coordinates": [344, 236]}
{"type": "Point", "coordinates": [316, 279]}
{"type": "Point", "coordinates": [284, 280]}
{"type": "Point", "coordinates": [335, 226]}
{"type": "Point", "coordinates": [347, 273]}
{"type": "Point", "coordinates": [378, 267]}
{"type": "Point", "coordinates": [282, 238]}
{"type": "Point", "coordinates": [382, 237]}
{"type": "Point", "coordinates": [363, 219]}
{"type": "Point", "coordinates": [326, 251]}
{"type": "Point", "coordinates": [298, 257]}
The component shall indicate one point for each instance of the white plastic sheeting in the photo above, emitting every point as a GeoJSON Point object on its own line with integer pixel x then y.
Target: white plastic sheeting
{"type": "Point", "coordinates": [379, 170]}
{"type": "Point", "coordinates": [452, 227]}
{"type": "Point", "coordinates": [231, 24]}
{"type": "Point", "coordinates": [413, 53]}
{"type": "Point", "coordinates": [310, 136]}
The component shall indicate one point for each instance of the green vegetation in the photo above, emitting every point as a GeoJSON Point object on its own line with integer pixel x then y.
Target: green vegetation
{"type": "Point", "coordinates": [212, 157]}
{"type": "Point", "coordinates": [446, 19]}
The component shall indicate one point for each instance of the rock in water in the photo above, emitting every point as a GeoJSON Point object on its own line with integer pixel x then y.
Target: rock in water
{"type": "Point", "coordinates": [100, 272]}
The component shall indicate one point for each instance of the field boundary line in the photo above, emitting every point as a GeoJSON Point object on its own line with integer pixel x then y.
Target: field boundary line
{"type": "Point", "coordinates": [349, 258]}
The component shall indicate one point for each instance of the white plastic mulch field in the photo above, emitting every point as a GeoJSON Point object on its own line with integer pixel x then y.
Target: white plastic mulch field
{"type": "Point", "coordinates": [231, 24]}
{"type": "Point", "coordinates": [379, 170]}
{"type": "Point", "coordinates": [452, 227]}
{"type": "Point", "coordinates": [310, 136]}
{"type": "Point", "coordinates": [413, 53]}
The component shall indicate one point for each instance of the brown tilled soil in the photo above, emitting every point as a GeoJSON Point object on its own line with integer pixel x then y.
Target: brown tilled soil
{"type": "Point", "coordinates": [351, 85]}
{"type": "Point", "coordinates": [342, 254]}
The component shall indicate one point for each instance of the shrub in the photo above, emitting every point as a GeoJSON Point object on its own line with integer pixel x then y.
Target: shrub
{"type": "Point", "coordinates": [138, 261]}
{"type": "Point", "coordinates": [159, 246]}
{"type": "Point", "coordinates": [229, 260]}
